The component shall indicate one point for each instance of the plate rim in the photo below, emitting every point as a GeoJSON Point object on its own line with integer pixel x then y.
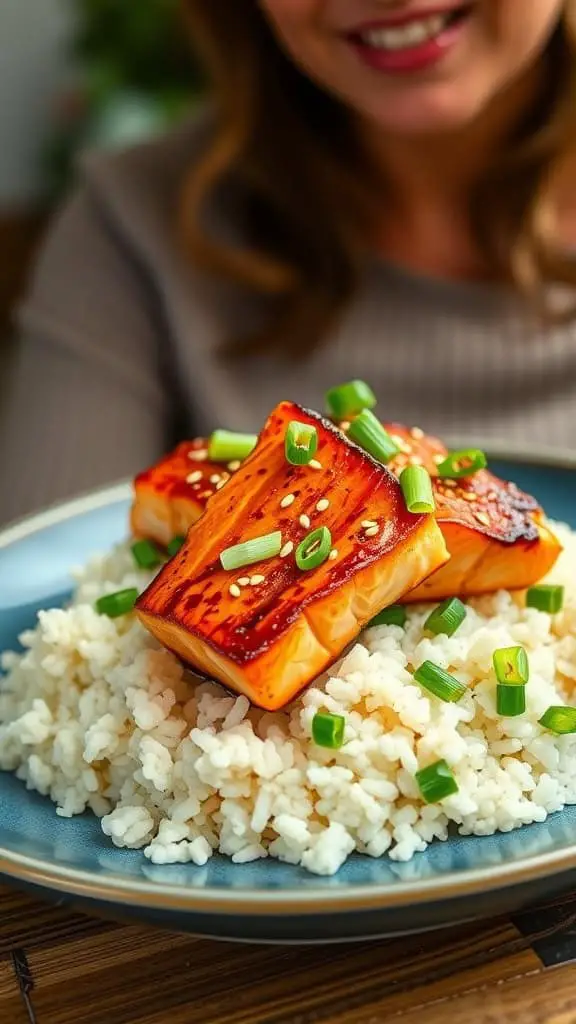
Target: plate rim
{"type": "Point", "coordinates": [150, 895]}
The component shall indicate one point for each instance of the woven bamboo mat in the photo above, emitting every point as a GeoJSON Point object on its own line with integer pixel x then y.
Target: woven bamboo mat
{"type": "Point", "coordinates": [57, 967]}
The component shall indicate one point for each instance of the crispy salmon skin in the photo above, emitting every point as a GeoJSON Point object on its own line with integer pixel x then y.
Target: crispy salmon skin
{"type": "Point", "coordinates": [496, 535]}
{"type": "Point", "coordinates": [266, 630]}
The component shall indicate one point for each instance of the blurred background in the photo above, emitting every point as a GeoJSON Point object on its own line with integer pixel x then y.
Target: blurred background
{"type": "Point", "coordinates": [76, 75]}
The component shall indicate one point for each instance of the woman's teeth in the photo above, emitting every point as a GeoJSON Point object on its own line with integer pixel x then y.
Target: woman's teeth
{"type": "Point", "coordinates": [405, 36]}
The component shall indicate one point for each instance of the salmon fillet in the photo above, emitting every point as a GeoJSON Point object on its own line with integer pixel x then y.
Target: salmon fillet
{"type": "Point", "coordinates": [269, 629]}
{"type": "Point", "coordinates": [496, 535]}
{"type": "Point", "coordinates": [172, 494]}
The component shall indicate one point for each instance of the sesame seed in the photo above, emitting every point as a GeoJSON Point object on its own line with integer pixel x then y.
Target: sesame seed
{"type": "Point", "coordinates": [483, 518]}
{"type": "Point", "coordinates": [368, 523]}
{"type": "Point", "coordinates": [415, 460]}
{"type": "Point", "coordinates": [257, 580]}
{"type": "Point", "coordinates": [243, 581]}
{"type": "Point", "coordinates": [333, 555]}
{"type": "Point", "coordinates": [314, 464]}
{"type": "Point", "coordinates": [470, 496]}
{"type": "Point", "coordinates": [215, 478]}
{"type": "Point", "coordinates": [345, 425]}
{"type": "Point", "coordinates": [305, 521]}
{"type": "Point", "coordinates": [438, 458]}
{"type": "Point", "coordinates": [450, 483]}
{"type": "Point", "coordinates": [373, 531]}
{"type": "Point", "coordinates": [287, 550]}
{"type": "Point", "coordinates": [194, 477]}
{"type": "Point", "coordinates": [287, 501]}
{"type": "Point", "coordinates": [401, 443]}
{"type": "Point", "coordinates": [233, 466]}
{"type": "Point", "coordinates": [322, 505]}
{"type": "Point", "coordinates": [221, 484]}
{"type": "Point", "coordinates": [206, 494]}
{"type": "Point", "coordinates": [417, 433]}
{"type": "Point", "coordinates": [234, 590]}
{"type": "Point", "coordinates": [199, 455]}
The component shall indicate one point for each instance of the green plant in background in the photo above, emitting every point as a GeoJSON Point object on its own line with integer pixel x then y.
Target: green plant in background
{"type": "Point", "coordinates": [134, 76]}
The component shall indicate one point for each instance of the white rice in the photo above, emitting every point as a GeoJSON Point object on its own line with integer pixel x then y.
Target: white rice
{"type": "Point", "coordinates": [96, 715]}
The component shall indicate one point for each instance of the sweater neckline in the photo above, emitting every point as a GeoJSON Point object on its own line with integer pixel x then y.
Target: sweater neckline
{"type": "Point", "coordinates": [470, 291]}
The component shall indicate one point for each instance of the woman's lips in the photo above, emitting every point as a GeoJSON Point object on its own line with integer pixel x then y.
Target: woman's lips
{"type": "Point", "coordinates": [411, 45]}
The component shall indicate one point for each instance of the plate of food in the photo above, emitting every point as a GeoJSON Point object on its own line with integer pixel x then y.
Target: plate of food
{"type": "Point", "coordinates": [311, 685]}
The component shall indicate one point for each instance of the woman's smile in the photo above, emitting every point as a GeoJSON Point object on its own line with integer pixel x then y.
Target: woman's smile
{"type": "Point", "coordinates": [412, 41]}
{"type": "Point", "coordinates": [418, 67]}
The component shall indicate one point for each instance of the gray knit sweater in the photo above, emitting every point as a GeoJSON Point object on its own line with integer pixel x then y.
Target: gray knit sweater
{"type": "Point", "coordinates": [119, 346]}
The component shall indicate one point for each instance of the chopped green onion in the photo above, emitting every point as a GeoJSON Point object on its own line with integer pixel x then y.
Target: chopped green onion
{"type": "Point", "coordinates": [395, 615]}
{"type": "Point", "coordinates": [120, 603]}
{"type": "Point", "coordinates": [561, 720]}
{"type": "Point", "coordinates": [440, 683]}
{"type": "Point", "coordinates": [511, 666]}
{"type": "Point", "coordinates": [175, 544]}
{"type": "Point", "coordinates": [510, 700]}
{"type": "Point", "coordinates": [349, 399]}
{"type": "Point", "coordinates": [369, 433]}
{"type": "Point", "coordinates": [314, 549]}
{"type": "Point", "coordinates": [251, 551]}
{"type": "Point", "coordinates": [546, 598]}
{"type": "Point", "coordinates": [226, 447]}
{"type": "Point", "coordinates": [146, 554]}
{"type": "Point", "coordinates": [462, 463]}
{"type": "Point", "coordinates": [328, 730]}
{"type": "Point", "coordinates": [417, 490]}
{"type": "Point", "coordinates": [447, 617]}
{"type": "Point", "coordinates": [436, 782]}
{"type": "Point", "coordinates": [301, 443]}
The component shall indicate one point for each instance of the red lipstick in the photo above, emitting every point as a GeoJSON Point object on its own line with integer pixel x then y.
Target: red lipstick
{"type": "Point", "coordinates": [375, 45]}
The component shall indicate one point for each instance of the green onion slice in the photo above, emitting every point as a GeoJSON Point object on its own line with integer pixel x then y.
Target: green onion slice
{"type": "Point", "coordinates": [115, 605]}
{"type": "Point", "coordinates": [257, 550]}
{"type": "Point", "coordinates": [175, 544]}
{"type": "Point", "coordinates": [511, 666]}
{"type": "Point", "coordinates": [146, 554]}
{"type": "Point", "coordinates": [447, 617]}
{"type": "Point", "coordinates": [369, 433]}
{"type": "Point", "coordinates": [463, 463]}
{"type": "Point", "coordinates": [510, 700]}
{"type": "Point", "coordinates": [225, 446]}
{"type": "Point", "coordinates": [314, 549]}
{"type": "Point", "coordinates": [436, 782]}
{"type": "Point", "coordinates": [439, 682]}
{"type": "Point", "coordinates": [416, 487]}
{"type": "Point", "coordinates": [328, 730]}
{"type": "Point", "coordinates": [301, 443]}
{"type": "Point", "coordinates": [348, 400]}
{"type": "Point", "coordinates": [546, 598]}
{"type": "Point", "coordinates": [395, 615]}
{"type": "Point", "coordinates": [561, 720]}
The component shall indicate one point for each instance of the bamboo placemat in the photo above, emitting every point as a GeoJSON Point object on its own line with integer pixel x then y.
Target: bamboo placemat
{"type": "Point", "coordinates": [59, 967]}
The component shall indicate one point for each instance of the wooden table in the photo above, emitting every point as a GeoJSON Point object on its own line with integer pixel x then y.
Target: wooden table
{"type": "Point", "coordinates": [57, 967]}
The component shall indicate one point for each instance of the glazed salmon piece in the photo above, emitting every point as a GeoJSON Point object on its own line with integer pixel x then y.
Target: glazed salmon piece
{"type": "Point", "coordinates": [496, 535]}
{"type": "Point", "coordinates": [171, 495]}
{"type": "Point", "coordinates": [268, 629]}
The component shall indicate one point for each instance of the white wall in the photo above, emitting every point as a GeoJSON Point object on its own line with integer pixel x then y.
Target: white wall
{"type": "Point", "coordinates": [33, 36]}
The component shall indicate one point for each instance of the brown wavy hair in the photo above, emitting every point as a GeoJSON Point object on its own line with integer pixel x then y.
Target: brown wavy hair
{"type": "Point", "coordinates": [285, 155]}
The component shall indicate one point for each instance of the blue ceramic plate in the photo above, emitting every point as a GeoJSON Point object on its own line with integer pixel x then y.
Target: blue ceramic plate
{"type": "Point", "coordinates": [71, 860]}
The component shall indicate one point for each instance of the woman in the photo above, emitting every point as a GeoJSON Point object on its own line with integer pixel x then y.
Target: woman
{"type": "Point", "coordinates": [378, 191]}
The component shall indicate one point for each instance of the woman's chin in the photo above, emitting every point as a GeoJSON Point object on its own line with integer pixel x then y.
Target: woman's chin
{"type": "Point", "coordinates": [436, 116]}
